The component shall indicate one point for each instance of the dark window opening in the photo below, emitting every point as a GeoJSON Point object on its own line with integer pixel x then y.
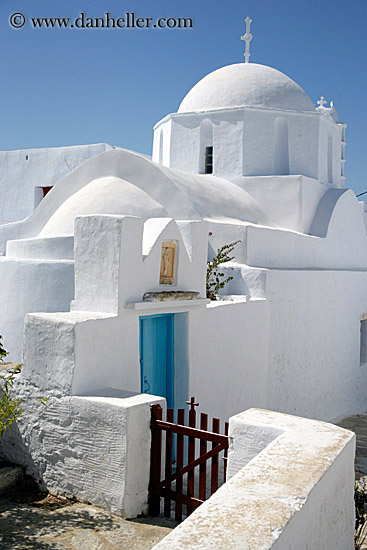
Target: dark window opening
{"type": "Point", "coordinates": [209, 160]}
{"type": "Point", "coordinates": [46, 190]}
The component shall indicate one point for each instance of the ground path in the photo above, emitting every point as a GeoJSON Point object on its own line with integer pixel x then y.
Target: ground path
{"type": "Point", "coordinates": [74, 527]}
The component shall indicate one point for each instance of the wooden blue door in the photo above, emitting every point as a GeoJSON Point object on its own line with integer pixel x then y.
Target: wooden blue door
{"type": "Point", "coordinates": [157, 356]}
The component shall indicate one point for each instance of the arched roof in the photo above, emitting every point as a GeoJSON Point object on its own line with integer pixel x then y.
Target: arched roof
{"type": "Point", "coordinates": [121, 182]}
{"type": "Point", "coordinates": [106, 195]}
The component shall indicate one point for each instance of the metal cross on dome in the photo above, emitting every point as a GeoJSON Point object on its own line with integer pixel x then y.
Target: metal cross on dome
{"type": "Point", "coordinates": [322, 101]}
{"type": "Point", "coordinates": [247, 37]}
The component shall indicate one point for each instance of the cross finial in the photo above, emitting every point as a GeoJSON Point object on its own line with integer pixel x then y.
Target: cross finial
{"type": "Point", "coordinates": [247, 37]}
{"type": "Point", "coordinates": [192, 404]}
{"type": "Point", "coordinates": [322, 101]}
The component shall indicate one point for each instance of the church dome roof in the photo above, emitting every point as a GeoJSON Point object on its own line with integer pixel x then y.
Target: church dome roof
{"type": "Point", "coordinates": [246, 84]}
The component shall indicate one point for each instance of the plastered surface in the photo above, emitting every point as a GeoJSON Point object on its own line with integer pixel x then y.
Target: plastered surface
{"type": "Point", "coordinates": [295, 492]}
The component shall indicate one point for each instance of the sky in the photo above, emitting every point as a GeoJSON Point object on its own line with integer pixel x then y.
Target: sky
{"type": "Point", "coordinates": [76, 86]}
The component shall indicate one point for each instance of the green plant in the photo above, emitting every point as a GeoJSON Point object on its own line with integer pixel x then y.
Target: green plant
{"type": "Point", "coordinates": [214, 279]}
{"type": "Point", "coordinates": [11, 406]}
{"type": "Point", "coordinates": [3, 353]}
{"type": "Point", "coordinates": [360, 500]}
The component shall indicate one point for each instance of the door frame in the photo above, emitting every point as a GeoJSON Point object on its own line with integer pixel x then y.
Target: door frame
{"type": "Point", "coordinates": [170, 379]}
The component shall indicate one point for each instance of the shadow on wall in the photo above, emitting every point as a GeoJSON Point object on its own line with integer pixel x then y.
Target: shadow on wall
{"type": "Point", "coordinates": [14, 449]}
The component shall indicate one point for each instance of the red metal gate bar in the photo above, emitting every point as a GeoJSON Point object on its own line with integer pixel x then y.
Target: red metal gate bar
{"type": "Point", "coordinates": [202, 468]}
{"type": "Point", "coordinates": [168, 468]}
{"type": "Point", "coordinates": [155, 460]}
{"type": "Point", "coordinates": [194, 464]}
{"type": "Point", "coordinates": [214, 473]}
{"type": "Point", "coordinates": [194, 432]}
{"type": "Point", "coordinates": [225, 457]}
{"type": "Point", "coordinates": [191, 458]}
{"type": "Point", "coordinates": [180, 451]}
{"type": "Point", "coordinates": [182, 499]}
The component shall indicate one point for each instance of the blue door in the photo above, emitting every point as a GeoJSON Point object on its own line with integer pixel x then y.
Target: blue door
{"type": "Point", "coordinates": [157, 356]}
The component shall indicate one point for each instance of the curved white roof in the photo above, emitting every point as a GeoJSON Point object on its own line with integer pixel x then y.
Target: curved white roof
{"type": "Point", "coordinates": [246, 84]}
{"type": "Point", "coordinates": [121, 182]}
{"type": "Point", "coordinates": [106, 195]}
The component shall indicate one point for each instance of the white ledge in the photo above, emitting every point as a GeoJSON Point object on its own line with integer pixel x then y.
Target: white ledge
{"type": "Point", "coordinates": [167, 304]}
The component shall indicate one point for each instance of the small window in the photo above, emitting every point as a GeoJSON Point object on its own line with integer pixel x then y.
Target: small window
{"type": "Point", "coordinates": [209, 160]}
{"type": "Point", "coordinates": [40, 193]}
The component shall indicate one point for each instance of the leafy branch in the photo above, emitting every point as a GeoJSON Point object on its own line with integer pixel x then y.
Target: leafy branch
{"type": "Point", "coordinates": [3, 353]}
{"type": "Point", "coordinates": [11, 406]}
{"type": "Point", "coordinates": [214, 278]}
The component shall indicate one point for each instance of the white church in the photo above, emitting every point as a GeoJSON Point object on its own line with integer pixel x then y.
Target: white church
{"type": "Point", "coordinates": [104, 256]}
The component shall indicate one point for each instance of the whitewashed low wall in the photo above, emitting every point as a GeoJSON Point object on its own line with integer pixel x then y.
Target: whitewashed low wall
{"type": "Point", "coordinates": [31, 285]}
{"type": "Point", "coordinates": [291, 487]}
{"type": "Point", "coordinates": [94, 448]}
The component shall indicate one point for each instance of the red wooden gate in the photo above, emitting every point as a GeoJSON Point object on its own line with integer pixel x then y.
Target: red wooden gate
{"type": "Point", "coordinates": [180, 484]}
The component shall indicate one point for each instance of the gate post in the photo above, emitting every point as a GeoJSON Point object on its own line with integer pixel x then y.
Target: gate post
{"type": "Point", "coordinates": [191, 452]}
{"type": "Point", "coordinates": [155, 461]}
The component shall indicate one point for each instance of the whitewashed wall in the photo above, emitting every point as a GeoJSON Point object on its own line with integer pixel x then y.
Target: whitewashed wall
{"type": "Point", "coordinates": [290, 201]}
{"type": "Point", "coordinates": [94, 448]}
{"type": "Point", "coordinates": [328, 128]}
{"type": "Point", "coordinates": [337, 240]}
{"type": "Point", "coordinates": [290, 330]}
{"type": "Point", "coordinates": [31, 285]}
{"type": "Point", "coordinates": [22, 172]}
{"type": "Point", "coordinates": [245, 142]}
{"type": "Point", "coordinates": [185, 136]}
{"type": "Point", "coordinates": [229, 370]}
{"type": "Point", "coordinates": [296, 352]}
{"type": "Point", "coordinates": [315, 344]}
{"type": "Point", "coordinates": [99, 320]}
{"type": "Point", "coordinates": [161, 152]}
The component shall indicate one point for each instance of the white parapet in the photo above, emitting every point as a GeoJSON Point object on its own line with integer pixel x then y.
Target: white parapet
{"type": "Point", "coordinates": [112, 436]}
{"type": "Point", "coordinates": [291, 487]}
{"type": "Point", "coordinates": [95, 448]}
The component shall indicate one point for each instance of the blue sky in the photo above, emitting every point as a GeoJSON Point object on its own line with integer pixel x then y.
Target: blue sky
{"type": "Point", "coordinates": [76, 86]}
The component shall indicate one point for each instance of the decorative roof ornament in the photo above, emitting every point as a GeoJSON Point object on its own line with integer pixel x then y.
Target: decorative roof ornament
{"type": "Point", "coordinates": [328, 112]}
{"type": "Point", "coordinates": [321, 102]}
{"type": "Point", "coordinates": [247, 37]}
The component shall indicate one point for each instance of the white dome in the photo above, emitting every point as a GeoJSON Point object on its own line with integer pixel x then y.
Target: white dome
{"type": "Point", "coordinates": [107, 195]}
{"type": "Point", "coordinates": [245, 84]}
